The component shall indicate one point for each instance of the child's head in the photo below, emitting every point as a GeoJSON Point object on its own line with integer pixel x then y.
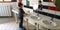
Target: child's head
{"type": "Point", "coordinates": [20, 5]}
{"type": "Point", "coordinates": [39, 2]}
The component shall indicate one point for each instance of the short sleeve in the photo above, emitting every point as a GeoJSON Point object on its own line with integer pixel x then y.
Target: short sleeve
{"type": "Point", "coordinates": [23, 12]}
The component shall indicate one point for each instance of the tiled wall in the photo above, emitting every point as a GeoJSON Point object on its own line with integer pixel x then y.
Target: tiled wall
{"type": "Point", "coordinates": [47, 6]}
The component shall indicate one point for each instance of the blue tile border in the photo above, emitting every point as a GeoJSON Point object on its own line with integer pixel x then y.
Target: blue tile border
{"type": "Point", "coordinates": [47, 14]}
{"type": "Point", "coordinates": [45, 7]}
{"type": "Point", "coordinates": [46, 0]}
{"type": "Point", "coordinates": [28, 7]}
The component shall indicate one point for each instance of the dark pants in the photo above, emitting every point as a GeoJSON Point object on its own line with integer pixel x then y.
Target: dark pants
{"type": "Point", "coordinates": [21, 23]}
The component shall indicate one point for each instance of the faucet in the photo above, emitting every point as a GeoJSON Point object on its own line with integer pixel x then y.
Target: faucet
{"type": "Point", "coordinates": [38, 15]}
{"type": "Point", "coordinates": [53, 17]}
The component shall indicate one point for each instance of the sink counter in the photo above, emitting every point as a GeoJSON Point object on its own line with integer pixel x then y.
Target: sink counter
{"type": "Point", "coordinates": [49, 27]}
{"type": "Point", "coordinates": [33, 19]}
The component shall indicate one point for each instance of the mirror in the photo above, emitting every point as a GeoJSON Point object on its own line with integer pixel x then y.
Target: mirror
{"type": "Point", "coordinates": [57, 3]}
{"type": "Point", "coordinates": [35, 6]}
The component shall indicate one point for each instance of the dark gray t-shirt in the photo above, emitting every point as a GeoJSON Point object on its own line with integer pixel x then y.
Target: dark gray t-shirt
{"type": "Point", "coordinates": [21, 12]}
{"type": "Point", "coordinates": [40, 7]}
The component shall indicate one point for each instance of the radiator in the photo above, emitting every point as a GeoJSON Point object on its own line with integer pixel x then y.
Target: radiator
{"type": "Point", "coordinates": [5, 9]}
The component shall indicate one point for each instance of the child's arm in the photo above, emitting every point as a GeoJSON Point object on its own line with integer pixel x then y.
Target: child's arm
{"type": "Point", "coordinates": [25, 14]}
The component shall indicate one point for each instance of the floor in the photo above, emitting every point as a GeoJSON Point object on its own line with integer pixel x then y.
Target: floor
{"type": "Point", "coordinates": [10, 24]}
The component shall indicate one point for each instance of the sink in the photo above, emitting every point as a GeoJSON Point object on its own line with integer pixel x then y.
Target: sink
{"type": "Point", "coordinates": [48, 23]}
{"type": "Point", "coordinates": [35, 17]}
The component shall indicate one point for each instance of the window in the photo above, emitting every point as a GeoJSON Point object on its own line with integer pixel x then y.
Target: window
{"type": "Point", "coordinates": [4, 0]}
{"type": "Point", "coordinates": [1, 0]}
{"type": "Point", "coordinates": [8, 0]}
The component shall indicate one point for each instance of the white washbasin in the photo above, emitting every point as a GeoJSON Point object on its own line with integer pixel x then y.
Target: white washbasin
{"type": "Point", "coordinates": [48, 24]}
{"type": "Point", "coordinates": [35, 17]}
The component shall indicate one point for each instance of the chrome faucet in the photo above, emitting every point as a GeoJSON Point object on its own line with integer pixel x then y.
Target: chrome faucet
{"type": "Point", "coordinates": [38, 15]}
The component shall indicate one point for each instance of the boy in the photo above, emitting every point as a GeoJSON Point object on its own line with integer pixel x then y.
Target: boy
{"type": "Point", "coordinates": [40, 5]}
{"type": "Point", "coordinates": [21, 15]}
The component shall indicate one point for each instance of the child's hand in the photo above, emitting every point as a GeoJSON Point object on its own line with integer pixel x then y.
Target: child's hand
{"type": "Point", "coordinates": [26, 14]}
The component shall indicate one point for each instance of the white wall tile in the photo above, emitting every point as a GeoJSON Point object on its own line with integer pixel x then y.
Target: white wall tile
{"type": "Point", "coordinates": [45, 10]}
{"type": "Point", "coordinates": [57, 13]}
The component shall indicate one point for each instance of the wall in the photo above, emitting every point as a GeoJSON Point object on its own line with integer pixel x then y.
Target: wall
{"type": "Point", "coordinates": [51, 9]}
{"type": "Point", "coordinates": [7, 10]}
{"type": "Point", "coordinates": [14, 4]}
